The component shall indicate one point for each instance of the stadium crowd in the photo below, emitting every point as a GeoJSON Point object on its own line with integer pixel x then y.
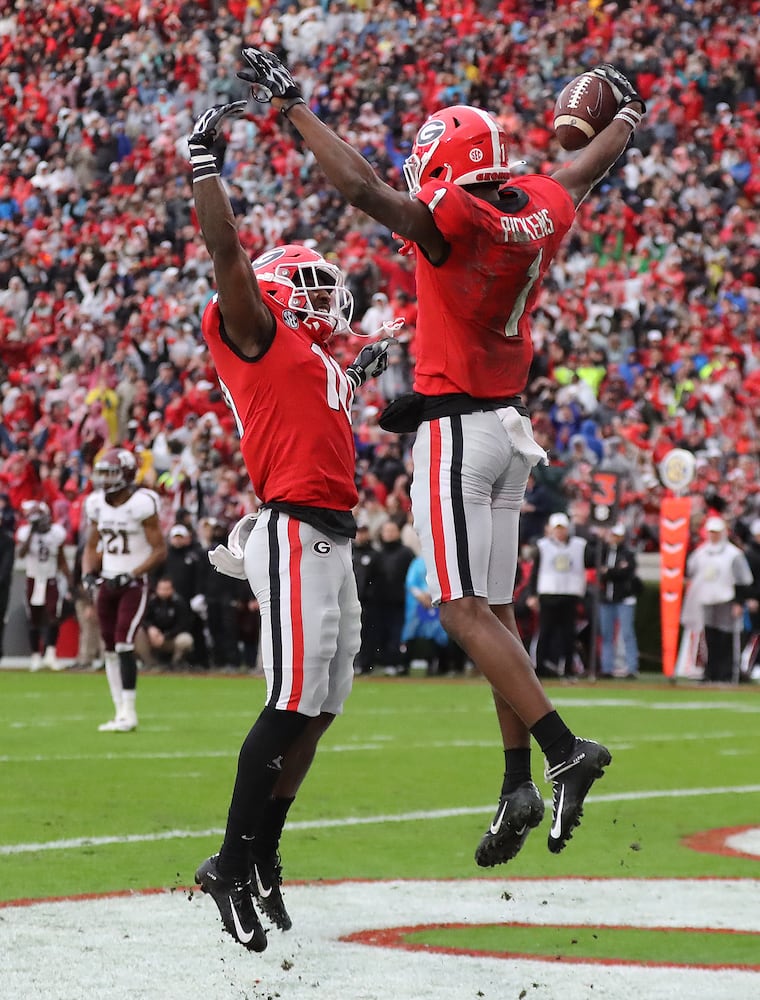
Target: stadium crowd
{"type": "Point", "coordinates": [646, 336]}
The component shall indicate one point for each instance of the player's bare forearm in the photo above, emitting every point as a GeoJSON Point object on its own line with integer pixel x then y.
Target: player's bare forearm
{"type": "Point", "coordinates": [215, 217]}
{"type": "Point", "coordinates": [63, 567]}
{"type": "Point", "coordinates": [155, 559]}
{"type": "Point", "coordinates": [158, 551]}
{"type": "Point", "coordinates": [91, 556]}
{"type": "Point", "coordinates": [248, 322]}
{"type": "Point", "coordinates": [591, 163]}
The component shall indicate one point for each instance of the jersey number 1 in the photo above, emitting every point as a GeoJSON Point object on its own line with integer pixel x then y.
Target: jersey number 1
{"type": "Point", "coordinates": [510, 329]}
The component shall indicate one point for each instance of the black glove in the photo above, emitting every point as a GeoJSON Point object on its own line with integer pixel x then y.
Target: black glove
{"type": "Point", "coordinates": [119, 581]}
{"type": "Point", "coordinates": [370, 362]}
{"type": "Point", "coordinates": [204, 135]}
{"type": "Point", "coordinates": [624, 91]}
{"type": "Point", "coordinates": [90, 583]}
{"type": "Point", "coordinates": [269, 78]}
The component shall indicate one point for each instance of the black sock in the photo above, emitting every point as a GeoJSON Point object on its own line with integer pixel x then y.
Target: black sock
{"type": "Point", "coordinates": [554, 738]}
{"type": "Point", "coordinates": [128, 666]}
{"type": "Point", "coordinates": [271, 825]}
{"type": "Point", "coordinates": [516, 768]}
{"type": "Point", "coordinates": [259, 764]}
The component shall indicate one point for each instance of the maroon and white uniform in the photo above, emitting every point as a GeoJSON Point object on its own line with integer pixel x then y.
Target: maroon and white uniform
{"type": "Point", "coordinates": [292, 406]}
{"type": "Point", "coordinates": [475, 448]}
{"type": "Point", "coordinates": [42, 557]}
{"type": "Point", "coordinates": [124, 546]}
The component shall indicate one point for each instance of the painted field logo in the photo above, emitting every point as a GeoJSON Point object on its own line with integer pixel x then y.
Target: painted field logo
{"type": "Point", "coordinates": [576, 938]}
{"type": "Point", "coordinates": [732, 841]}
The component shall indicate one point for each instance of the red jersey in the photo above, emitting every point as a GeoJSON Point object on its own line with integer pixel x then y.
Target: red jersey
{"type": "Point", "coordinates": [292, 408]}
{"type": "Point", "coordinates": [473, 333]}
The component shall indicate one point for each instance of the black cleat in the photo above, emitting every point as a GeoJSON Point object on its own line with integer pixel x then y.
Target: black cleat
{"type": "Point", "coordinates": [234, 900]}
{"type": "Point", "coordinates": [517, 814]}
{"type": "Point", "coordinates": [266, 879]}
{"type": "Point", "coordinates": [572, 779]}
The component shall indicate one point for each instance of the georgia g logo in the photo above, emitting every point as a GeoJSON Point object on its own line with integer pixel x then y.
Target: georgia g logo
{"type": "Point", "coordinates": [322, 547]}
{"type": "Point", "coordinates": [268, 257]}
{"type": "Point", "coordinates": [430, 131]}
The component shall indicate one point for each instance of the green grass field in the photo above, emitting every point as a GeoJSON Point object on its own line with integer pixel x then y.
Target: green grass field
{"type": "Point", "coordinates": [402, 747]}
{"type": "Point", "coordinates": [403, 787]}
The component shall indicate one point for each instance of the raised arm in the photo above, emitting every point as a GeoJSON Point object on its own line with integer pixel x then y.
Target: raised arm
{"type": "Point", "coordinates": [247, 321]}
{"type": "Point", "coordinates": [346, 169]}
{"type": "Point", "coordinates": [592, 163]}
{"type": "Point", "coordinates": [92, 553]}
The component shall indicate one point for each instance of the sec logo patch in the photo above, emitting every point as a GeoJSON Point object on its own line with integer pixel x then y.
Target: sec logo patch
{"type": "Point", "coordinates": [322, 547]}
{"type": "Point", "coordinates": [290, 319]}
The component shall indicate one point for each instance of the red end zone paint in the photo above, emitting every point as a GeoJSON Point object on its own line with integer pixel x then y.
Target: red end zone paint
{"type": "Point", "coordinates": [84, 896]}
{"type": "Point", "coordinates": [483, 880]}
{"type": "Point", "coordinates": [395, 937]}
{"type": "Point", "coordinates": [715, 842]}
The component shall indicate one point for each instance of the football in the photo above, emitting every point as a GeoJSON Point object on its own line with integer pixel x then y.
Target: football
{"type": "Point", "coordinates": [584, 107]}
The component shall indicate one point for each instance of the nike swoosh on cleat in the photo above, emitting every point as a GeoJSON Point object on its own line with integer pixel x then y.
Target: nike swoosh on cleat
{"type": "Point", "coordinates": [556, 829]}
{"type": "Point", "coordinates": [263, 892]}
{"type": "Point", "coordinates": [496, 825]}
{"type": "Point", "coordinates": [521, 831]}
{"type": "Point", "coordinates": [243, 936]}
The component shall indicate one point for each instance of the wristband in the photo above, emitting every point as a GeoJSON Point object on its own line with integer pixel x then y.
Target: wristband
{"type": "Point", "coordinates": [291, 104]}
{"type": "Point", "coordinates": [629, 115]}
{"type": "Point", "coordinates": [203, 162]}
{"type": "Point", "coordinates": [356, 376]}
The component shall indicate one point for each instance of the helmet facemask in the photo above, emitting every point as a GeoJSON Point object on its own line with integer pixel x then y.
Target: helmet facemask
{"type": "Point", "coordinates": [38, 515]}
{"type": "Point", "coordinates": [321, 277]}
{"type": "Point", "coordinates": [294, 274]}
{"type": "Point", "coordinates": [113, 473]}
{"type": "Point", "coordinates": [108, 478]}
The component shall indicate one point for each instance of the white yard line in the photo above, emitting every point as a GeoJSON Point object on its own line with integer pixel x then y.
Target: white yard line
{"type": "Point", "coordinates": [321, 824]}
{"type": "Point", "coordinates": [380, 743]}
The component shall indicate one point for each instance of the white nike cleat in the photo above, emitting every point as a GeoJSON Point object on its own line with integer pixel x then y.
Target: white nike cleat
{"type": "Point", "coordinates": [517, 814]}
{"type": "Point", "coordinates": [112, 726]}
{"type": "Point", "coordinates": [124, 722]}
{"type": "Point", "coordinates": [35, 662]}
{"type": "Point", "coordinates": [50, 660]}
{"type": "Point", "coordinates": [127, 721]}
{"type": "Point", "coordinates": [572, 780]}
{"type": "Point", "coordinates": [234, 901]}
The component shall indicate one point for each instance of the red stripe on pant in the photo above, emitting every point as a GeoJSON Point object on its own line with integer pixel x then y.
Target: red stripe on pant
{"type": "Point", "coordinates": [436, 512]}
{"type": "Point", "coordinates": [296, 617]}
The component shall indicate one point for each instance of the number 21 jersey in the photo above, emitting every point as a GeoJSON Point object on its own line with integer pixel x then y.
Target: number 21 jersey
{"type": "Point", "coordinates": [122, 535]}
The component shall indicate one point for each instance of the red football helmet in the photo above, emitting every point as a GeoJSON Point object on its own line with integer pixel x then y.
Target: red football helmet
{"type": "Point", "coordinates": [114, 470]}
{"type": "Point", "coordinates": [459, 144]}
{"type": "Point", "coordinates": [289, 273]}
